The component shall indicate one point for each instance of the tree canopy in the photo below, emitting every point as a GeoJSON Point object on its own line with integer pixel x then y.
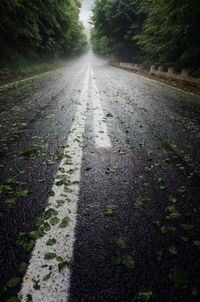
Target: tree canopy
{"type": "Point", "coordinates": [115, 23]}
{"type": "Point", "coordinates": [149, 31]}
{"type": "Point", "coordinates": [44, 27]}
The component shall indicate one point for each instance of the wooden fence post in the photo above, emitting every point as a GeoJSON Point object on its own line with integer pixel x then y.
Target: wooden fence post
{"type": "Point", "coordinates": [184, 73]}
{"type": "Point", "coordinates": [170, 72]}
{"type": "Point", "coordinates": [152, 69]}
{"type": "Point", "coordinates": [140, 68]}
{"type": "Point", "coordinates": [160, 69]}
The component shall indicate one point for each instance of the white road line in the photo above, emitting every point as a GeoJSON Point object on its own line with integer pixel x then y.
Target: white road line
{"type": "Point", "coordinates": [102, 139]}
{"type": "Point", "coordinates": [57, 287]}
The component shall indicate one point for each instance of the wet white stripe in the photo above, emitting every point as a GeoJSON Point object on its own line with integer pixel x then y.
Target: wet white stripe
{"type": "Point", "coordinates": [57, 287]}
{"type": "Point", "coordinates": [102, 139]}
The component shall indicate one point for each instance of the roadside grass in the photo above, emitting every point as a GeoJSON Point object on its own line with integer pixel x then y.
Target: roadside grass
{"type": "Point", "coordinates": [26, 68]}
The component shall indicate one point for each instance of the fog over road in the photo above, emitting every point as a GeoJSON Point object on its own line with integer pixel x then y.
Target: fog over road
{"type": "Point", "coordinates": [105, 164]}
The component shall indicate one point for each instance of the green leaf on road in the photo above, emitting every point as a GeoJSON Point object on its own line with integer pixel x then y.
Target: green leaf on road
{"type": "Point", "coordinates": [23, 193]}
{"type": "Point", "coordinates": [172, 198]}
{"type": "Point", "coordinates": [196, 243]}
{"type": "Point", "coordinates": [49, 256]}
{"type": "Point", "coordinates": [126, 228]}
{"type": "Point", "coordinates": [36, 234]}
{"type": "Point", "coordinates": [110, 170]}
{"type": "Point", "coordinates": [31, 152]}
{"type": "Point", "coordinates": [64, 264]}
{"type": "Point", "coordinates": [186, 227]}
{"type": "Point", "coordinates": [41, 180]}
{"type": "Point", "coordinates": [173, 250]}
{"type": "Point", "coordinates": [182, 239]}
{"type": "Point", "coordinates": [67, 190]}
{"type": "Point", "coordinates": [120, 242]}
{"type": "Point", "coordinates": [64, 223]}
{"type": "Point", "coordinates": [109, 114]}
{"type": "Point", "coordinates": [121, 152]}
{"type": "Point", "coordinates": [109, 209]}
{"type": "Point", "coordinates": [159, 188]}
{"type": "Point", "coordinates": [36, 284]}
{"type": "Point", "coordinates": [182, 189]}
{"type": "Point", "coordinates": [9, 201]}
{"type": "Point", "coordinates": [22, 267]}
{"type": "Point", "coordinates": [128, 261]}
{"type": "Point", "coordinates": [54, 220]}
{"type": "Point", "coordinates": [19, 240]}
{"type": "Point", "coordinates": [47, 277]}
{"type": "Point", "coordinates": [59, 203]}
{"type": "Point", "coordinates": [51, 241]}
{"type": "Point", "coordinates": [145, 295]}
{"type": "Point", "coordinates": [52, 193]}
{"type": "Point", "coordinates": [29, 246]}
{"type": "Point", "coordinates": [38, 221]}
{"type": "Point", "coordinates": [156, 223]}
{"type": "Point", "coordinates": [116, 260]}
{"type": "Point", "coordinates": [59, 259]}
{"type": "Point", "coordinates": [13, 299]}
{"type": "Point", "coordinates": [194, 291]}
{"type": "Point", "coordinates": [3, 291]}
{"type": "Point", "coordinates": [179, 278]}
{"type": "Point", "coordinates": [29, 298]}
{"type": "Point", "coordinates": [45, 227]}
{"type": "Point", "coordinates": [42, 206]}
{"type": "Point", "coordinates": [173, 212]}
{"type": "Point", "coordinates": [164, 229]}
{"type": "Point", "coordinates": [148, 169]}
{"type": "Point", "coordinates": [50, 212]}
{"type": "Point", "coordinates": [13, 282]}
{"type": "Point", "coordinates": [139, 202]}
{"type": "Point", "coordinates": [50, 162]}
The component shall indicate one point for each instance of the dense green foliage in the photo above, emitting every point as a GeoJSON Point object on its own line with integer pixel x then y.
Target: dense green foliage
{"type": "Point", "coordinates": [39, 28]}
{"type": "Point", "coordinates": [150, 31]}
{"type": "Point", "coordinates": [116, 22]}
{"type": "Point", "coordinates": [171, 32]}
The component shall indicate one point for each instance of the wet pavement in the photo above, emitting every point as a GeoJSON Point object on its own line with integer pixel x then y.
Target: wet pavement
{"type": "Point", "coordinates": [136, 229]}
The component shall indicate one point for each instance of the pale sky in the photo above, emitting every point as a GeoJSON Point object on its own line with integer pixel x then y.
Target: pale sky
{"type": "Point", "coordinates": [85, 12]}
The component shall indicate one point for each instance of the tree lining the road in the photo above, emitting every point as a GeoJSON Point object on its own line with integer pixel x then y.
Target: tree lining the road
{"type": "Point", "coordinates": [32, 29]}
{"type": "Point", "coordinates": [114, 28]}
{"type": "Point", "coordinates": [149, 31]}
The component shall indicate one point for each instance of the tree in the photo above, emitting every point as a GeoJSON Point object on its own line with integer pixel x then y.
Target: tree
{"type": "Point", "coordinates": [33, 28]}
{"type": "Point", "coordinates": [171, 31]}
{"type": "Point", "coordinates": [150, 31]}
{"type": "Point", "coordinates": [115, 24]}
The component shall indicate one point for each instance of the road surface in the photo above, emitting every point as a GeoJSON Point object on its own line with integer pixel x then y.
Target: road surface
{"type": "Point", "coordinates": [99, 187]}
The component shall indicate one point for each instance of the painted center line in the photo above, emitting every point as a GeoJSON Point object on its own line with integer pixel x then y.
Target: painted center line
{"type": "Point", "coordinates": [56, 288]}
{"type": "Point", "coordinates": [102, 139]}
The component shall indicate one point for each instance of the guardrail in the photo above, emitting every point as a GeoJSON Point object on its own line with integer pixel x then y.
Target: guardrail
{"type": "Point", "coordinates": [160, 73]}
{"type": "Point", "coordinates": [128, 66]}
{"type": "Point", "coordinates": [170, 74]}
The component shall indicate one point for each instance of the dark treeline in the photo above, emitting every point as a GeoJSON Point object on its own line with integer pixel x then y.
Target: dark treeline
{"type": "Point", "coordinates": [163, 32]}
{"type": "Point", "coordinates": [33, 29]}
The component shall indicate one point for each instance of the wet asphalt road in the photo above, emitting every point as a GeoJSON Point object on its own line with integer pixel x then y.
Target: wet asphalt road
{"type": "Point", "coordinates": [150, 239]}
